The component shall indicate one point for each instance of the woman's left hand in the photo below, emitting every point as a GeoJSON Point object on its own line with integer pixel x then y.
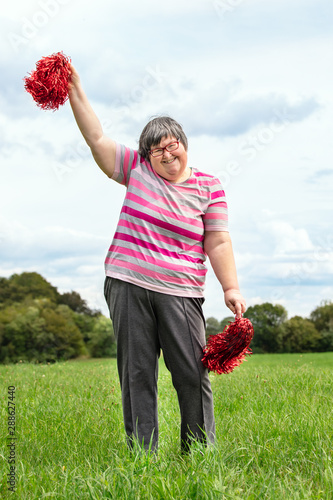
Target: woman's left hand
{"type": "Point", "coordinates": [235, 301]}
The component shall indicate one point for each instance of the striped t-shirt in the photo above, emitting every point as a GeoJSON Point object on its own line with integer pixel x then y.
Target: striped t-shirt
{"type": "Point", "coordinates": [158, 243]}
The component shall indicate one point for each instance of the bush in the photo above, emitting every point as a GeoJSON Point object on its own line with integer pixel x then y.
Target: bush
{"type": "Point", "coordinates": [101, 340]}
{"type": "Point", "coordinates": [39, 331]}
{"type": "Point", "coordinates": [300, 335]}
{"type": "Point", "coordinates": [37, 323]}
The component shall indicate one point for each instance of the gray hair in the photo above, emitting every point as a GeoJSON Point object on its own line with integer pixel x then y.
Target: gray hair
{"type": "Point", "coordinates": [157, 129]}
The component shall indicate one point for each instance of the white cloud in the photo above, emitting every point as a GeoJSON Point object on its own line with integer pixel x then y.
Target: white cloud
{"type": "Point", "coordinates": [287, 239]}
{"type": "Point", "coordinates": [51, 242]}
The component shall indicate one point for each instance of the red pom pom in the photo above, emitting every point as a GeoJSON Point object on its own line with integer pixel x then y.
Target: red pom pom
{"type": "Point", "coordinates": [48, 84]}
{"type": "Point", "coordinates": [228, 349]}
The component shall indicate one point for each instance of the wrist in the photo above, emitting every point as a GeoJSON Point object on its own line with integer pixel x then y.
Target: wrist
{"type": "Point", "coordinates": [233, 289]}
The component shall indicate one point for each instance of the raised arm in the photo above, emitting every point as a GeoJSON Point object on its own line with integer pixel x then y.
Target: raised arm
{"type": "Point", "coordinates": [103, 148]}
{"type": "Point", "coordinates": [218, 247]}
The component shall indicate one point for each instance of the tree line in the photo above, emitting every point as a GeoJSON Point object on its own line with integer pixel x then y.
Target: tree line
{"type": "Point", "coordinates": [274, 332]}
{"type": "Point", "coordinates": [39, 324]}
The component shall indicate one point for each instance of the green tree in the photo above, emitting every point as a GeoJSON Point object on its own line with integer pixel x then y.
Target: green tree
{"type": "Point", "coordinates": [300, 335]}
{"type": "Point", "coordinates": [322, 316]}
{"type": "Point", "coordinates": [267, 320]}
{"type": "Point", "coordinates": [226, 321]}
{"type": "Point", "coordinates": [20, 287]}
{"type": "Point", "coordinates": [67, 338]}
{"type": "Point", "coordinates": [85, 324]}
{"type": "Point", "coordinates": [76, 303]}
{"type": "Point", "coordinates": [21, 325]}
{"type": "Point", "coordinates": [39, 331]}
{"type": "Point", "coordinates": [326, 340]}
{"type": "Point", "coordinates": [101, 341]}
{"type": "Point", "coordinates": [38, 323]}
{"type": "Point", "coordinates": [4, 291]}
{"type": "Point", "coordinates": [212, 326]}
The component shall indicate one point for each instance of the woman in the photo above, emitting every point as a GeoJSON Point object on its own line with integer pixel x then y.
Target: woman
{"type": "Point", "coordinates": [172, 218]}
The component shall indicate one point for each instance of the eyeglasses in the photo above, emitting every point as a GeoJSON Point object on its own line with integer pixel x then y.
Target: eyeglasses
{"type": "Point", "coordinates": [170, 148]}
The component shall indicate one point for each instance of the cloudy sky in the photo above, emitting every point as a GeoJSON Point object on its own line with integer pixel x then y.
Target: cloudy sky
{"type": "Point", "coordinates": [250, 81]}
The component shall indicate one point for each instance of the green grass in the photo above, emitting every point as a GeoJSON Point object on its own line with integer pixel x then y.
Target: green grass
{"type": "Point", "coordinates": [274, 434]}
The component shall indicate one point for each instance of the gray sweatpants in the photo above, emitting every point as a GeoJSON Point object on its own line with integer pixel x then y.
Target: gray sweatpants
{"type": "Point", "coordinates": [145, 322]}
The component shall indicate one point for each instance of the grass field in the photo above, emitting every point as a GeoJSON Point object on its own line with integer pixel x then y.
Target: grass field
{"type": "Point", "coordinates": [274, 423]}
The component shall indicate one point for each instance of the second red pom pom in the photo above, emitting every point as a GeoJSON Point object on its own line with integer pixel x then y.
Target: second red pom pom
{"type": "Point", "coordinates": [228, 349]}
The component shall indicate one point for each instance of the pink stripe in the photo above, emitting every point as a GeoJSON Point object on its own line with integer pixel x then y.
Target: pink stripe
{"type": "Point", "coordinates": [165, 225]}
{"type": "Point", "coordinates": [153, 274]}
{"type": "Point", "coordinates": [160, 237]}
{"type": "Point", "coordinates": [215, 216]}
{"type": "Point", "coordinates": [155, 248]}
{"type": "Point", "coordinates": [135, 159]}
{"type": "Point", "coordinates": [222, 204]}
{"type": "Point", "coordinates": [141, 201]}
{"type": "Point", "coordinates": [157, 262]}
{"type": "Point", "coordinates": [202, 174]}
{"type": "Point", "coordinates": [210, 182]}
{"type": "Point", "coordinates": [217, 194]}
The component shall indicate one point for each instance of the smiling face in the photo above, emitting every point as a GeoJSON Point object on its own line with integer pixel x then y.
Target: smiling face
{"type": "Point", "coordinates": [171, 166]}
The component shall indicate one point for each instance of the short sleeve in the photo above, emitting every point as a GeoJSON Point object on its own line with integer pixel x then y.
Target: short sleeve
{"type": "Point", "coordinates": [216, 216]}
{"type": "Point", "coordinates": [126, 160]}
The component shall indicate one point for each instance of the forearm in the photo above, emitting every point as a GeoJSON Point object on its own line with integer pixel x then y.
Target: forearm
{"type": "Point", "coordinates": [85, 116]}
{"type": "Point", "coordinates": [103, 148]}
{"type": "Point", "coordinates": [218, 247]}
